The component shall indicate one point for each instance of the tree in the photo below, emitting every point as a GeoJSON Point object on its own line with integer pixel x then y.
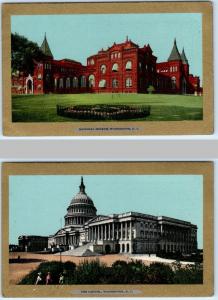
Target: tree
{"type": "Point", "coordinates": [150, 89]}
{"type": "Point", "coordinates": [23, 54]}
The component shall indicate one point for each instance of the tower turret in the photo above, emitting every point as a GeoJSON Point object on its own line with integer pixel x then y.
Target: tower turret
{"type": "Point", "coordinates": [183, 57]}
{"type": "Point", "coordinates": [45, 48]}
{"type": "Point", "coordinates": [174, 55]}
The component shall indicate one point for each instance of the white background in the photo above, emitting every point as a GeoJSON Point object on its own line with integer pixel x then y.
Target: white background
{"type": "Point", "coordinates": [151, 148]}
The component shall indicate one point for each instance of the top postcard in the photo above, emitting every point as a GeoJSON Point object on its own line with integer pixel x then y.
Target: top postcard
{"type": "Point", "coordinates": [85, 69]}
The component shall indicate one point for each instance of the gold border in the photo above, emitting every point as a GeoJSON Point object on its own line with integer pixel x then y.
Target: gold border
{"type": "Point", "coordinates": [145, 128]}
{"type": "Point", "coordinates": [200, 168]}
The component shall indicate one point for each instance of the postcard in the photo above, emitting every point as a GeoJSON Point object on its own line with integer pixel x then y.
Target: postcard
{"type": "Point", "coordinates": [98, 69]}
{"type": "Point", "coordinates": [107, 229]}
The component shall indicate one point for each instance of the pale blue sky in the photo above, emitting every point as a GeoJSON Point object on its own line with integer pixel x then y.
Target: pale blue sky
{"type": "Point", "coordinates": [38, 203]}
{"type": "Point", "coordinates": [79, 36]}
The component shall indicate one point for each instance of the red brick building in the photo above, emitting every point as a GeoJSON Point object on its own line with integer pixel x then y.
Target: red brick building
{"type": "Point", "coordinates": [121, 68]}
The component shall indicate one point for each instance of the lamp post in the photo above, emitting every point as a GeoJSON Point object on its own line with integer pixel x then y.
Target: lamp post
{"type": "Point", "coordinates": [60, 251]}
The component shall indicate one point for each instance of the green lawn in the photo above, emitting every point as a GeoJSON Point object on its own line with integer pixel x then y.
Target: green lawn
{"type": "Point", "coordinates": [42, 108]}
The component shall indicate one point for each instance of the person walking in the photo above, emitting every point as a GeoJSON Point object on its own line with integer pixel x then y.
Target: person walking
{"type": "Point", "coordinates": [61, 279]}
{"type": "Point", "coordinates": [39, 279]}
{"type": "Point", "coordinates": [48, 278]}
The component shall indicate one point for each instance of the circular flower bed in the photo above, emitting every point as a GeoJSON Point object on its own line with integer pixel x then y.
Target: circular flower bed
{"type": "Point", "coordinates": [103, 112]}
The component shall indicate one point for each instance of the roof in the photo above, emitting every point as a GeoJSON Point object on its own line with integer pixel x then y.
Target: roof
{"type": "Point", "coordinates": [183, 57]}
{"type": "Point", "coordinates": [174, 55]}
{"type": "Point", "coordinates": [45, 48]}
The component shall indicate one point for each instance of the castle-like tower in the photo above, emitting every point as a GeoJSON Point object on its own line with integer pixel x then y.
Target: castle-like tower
{"type": "Point", "coordinates": [81, 209]}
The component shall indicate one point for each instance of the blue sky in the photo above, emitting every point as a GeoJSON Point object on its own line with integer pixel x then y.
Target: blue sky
{"type": "Point", "coordinates": [79, 36]}
{"type": "Point", "coordinates": [38, 203]}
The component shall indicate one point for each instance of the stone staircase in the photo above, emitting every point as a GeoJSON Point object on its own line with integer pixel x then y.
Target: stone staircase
{"type": "Point", "coordinates": [85, 250]}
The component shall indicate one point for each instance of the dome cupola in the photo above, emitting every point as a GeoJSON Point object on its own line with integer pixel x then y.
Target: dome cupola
{"type": "Point", "coordinates": [81, 208]}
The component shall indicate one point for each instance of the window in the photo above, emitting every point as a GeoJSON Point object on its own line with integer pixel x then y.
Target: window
{"type": "Point", "coordinates": [114, 83]}
{"type": "Point", "coordinates": [129, 65]}
{"type": "Point", "coordinates": [91, 81]}
{"type": "Point", "coordinates": [92, 62]}
{"type": "Point", "coordinates": [75, 82]}
{"type": "Point", "coordinates": [102, 83]}
{"type": "Point", "coordinates": [47, 78]}
{"type": "Point", "coordinates": [103, 69]}
{"type": "Point", "coordinates": [173, 82]}
{"type": "Point", "coordinates": [83, 81]}
{"type": "Point", "coordinates": [39, 76]}
{"type": "Point", "coordinates": [56, 82]}
{"type": "Point", "coordinates": [128, 82]}
{"type": "Point", "coordinates": [68, 83]}
{"type": "Point", "coordinates": [119, 55]}
{"type": "Point", "coordinates": [61, 83]}
{"type": "Point", "coordinates": [115, 67]}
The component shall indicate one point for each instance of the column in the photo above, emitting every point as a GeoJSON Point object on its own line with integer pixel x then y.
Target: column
{"type": "Point", "coordinates": [92, 234]}
{"type": "Point", "coordinates": [95, 237]}
{"type": "Point", "coordinates": [130, 230]}
{"type": "Point", "coordinates": [102, 237]}
{"type": "Point", "coordinates": [126, 232]}
{"type": "Point", "coordinates": [109, 231]}
{"type": "Point", "coordinates": [113, 231]}
{"type": "Point", "coordinates": [98, 232]}
{"type": "Point", "coordinates": [121, 231]}
{"type": "Point", "coordinates": [105, 231]}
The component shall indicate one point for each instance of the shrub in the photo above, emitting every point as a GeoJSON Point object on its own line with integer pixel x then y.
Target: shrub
{"type": "Point", "coordinates": [150, 89]}
{"type": "Point", "coordinates": [191, 274]}
{"type": "Point", "coordinates": [90, 272]}
{"type": "Point", "coordinates": [159, 273]}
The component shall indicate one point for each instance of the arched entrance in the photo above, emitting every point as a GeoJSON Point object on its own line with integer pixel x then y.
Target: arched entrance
{"type": "Point", "coordinates": [107, 249]}
{"type": "Point", "coordinates": [127, 247]}
{"type": "Point", "coordinates": [29, 85]}
{"type": "Point", "coordinates": [117, 248]}
{"type": "Point", "coordinates": [123, 248]}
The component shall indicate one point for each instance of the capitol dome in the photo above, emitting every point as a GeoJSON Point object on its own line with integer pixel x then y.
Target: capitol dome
{"type": "Point", "coordinates": [81, 208]}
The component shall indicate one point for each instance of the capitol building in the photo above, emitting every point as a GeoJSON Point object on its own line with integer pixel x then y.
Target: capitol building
{"type": "Point", "coordinates": [129, 232]}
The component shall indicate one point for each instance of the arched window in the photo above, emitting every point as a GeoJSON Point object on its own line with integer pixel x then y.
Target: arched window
{"type": "Point", "coordinates": [75, 82]}
{"type": "Point", "coordinates": [102, 83]}
{"type": "Point", "coordinates": [103, 69]}
{"type": "Point", "coordinates": [56, 82]}
{"type": "Point", "coordinates": [92, 62]}
{"type": "Point", "coordinates": [129, 65]}
{"type": "Point", "coordinates": [91, 81]}
{"type": "Point", "coordinates": [68, 83]}
{"type": "Point", "coordinates": [61, 83]}
{"type": "Point", "coordinates": [83, 81]}
{"type": "Point", "coordinates": [173, 82]}
{"type": "Point", "coordinates": [128, 82]}
{"type": "Point", "coordinates": [115, 67]}
{"type": "Point", "coordinates": [114, 83]}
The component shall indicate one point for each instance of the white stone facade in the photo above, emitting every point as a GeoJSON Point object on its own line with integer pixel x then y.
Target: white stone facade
{"type": "Point", "coordinates": [129, 232]}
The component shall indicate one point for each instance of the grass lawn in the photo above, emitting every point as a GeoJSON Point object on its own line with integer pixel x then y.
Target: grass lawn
{"type": "Point", "coordinates": [42, 108]}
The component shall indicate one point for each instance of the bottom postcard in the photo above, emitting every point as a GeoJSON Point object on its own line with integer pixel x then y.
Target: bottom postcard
{"type": "Point", "coordinates": [107, 229]}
